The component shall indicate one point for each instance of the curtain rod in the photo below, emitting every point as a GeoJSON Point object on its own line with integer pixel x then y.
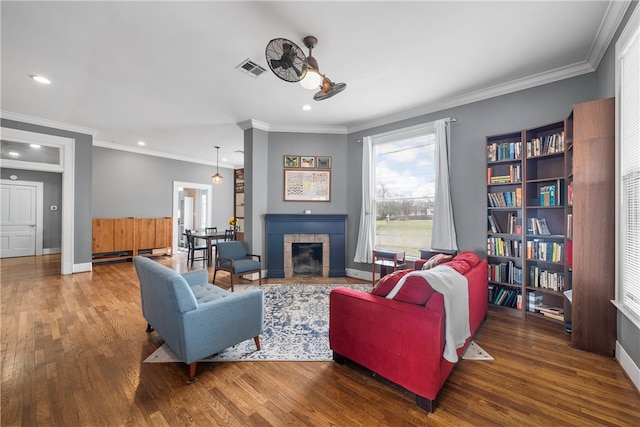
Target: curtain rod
{"type": "Point", "coordinates": [447, 120]}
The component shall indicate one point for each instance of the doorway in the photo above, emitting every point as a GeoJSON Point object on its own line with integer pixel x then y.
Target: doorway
{"type": "Point", "coordinates": [192, 209]}
{"type": "Point", "coordinates": [21, 218]}
{"type": "Point", "coordinates": [64, 163]}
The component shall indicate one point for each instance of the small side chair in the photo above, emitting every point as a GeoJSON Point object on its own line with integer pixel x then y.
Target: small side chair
{"type": "Point", "coordinates": [193, 249]}
{"type": "Point", "coordinates": [233, 258]}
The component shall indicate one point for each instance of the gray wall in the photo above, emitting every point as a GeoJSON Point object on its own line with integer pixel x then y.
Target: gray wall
{"type": "Point", "coordinates": [306, 144]}
{"type": "Point", "coordinates": [82, 184]}
{"type": "Point", "coordinates": [513, 112]}
{"type": "Point", "coordinates": [628, 332]}
{"type": "Point", "coordinates": [130, 184]}
{"type": "Point", "coordinates": [52, 189]}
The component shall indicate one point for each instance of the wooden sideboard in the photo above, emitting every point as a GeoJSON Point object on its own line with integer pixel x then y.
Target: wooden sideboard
{"type": "Point", "coordinates": [123, 238]}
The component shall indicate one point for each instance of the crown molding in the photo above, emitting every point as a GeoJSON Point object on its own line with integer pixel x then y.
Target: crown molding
{"type": "Point", "coordinates": [47, 123]}
{"type": "Point", "coordinates": [256, 124]}
{"type": "Point", "coordinates": [480, 95]}
{"type": "Point", "coordinates": [147, 152]}
{"type": "Point", "coordinates": [608, 27]}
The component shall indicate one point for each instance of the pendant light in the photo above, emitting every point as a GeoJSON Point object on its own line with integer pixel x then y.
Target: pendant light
{"type": "Point", "coordinates": [217, 178]}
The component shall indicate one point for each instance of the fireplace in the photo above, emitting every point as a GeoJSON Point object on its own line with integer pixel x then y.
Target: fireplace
{"type": "Point", "coordinates": [306, 254]}
{"type": "Point", "coordinates": [284, 229]}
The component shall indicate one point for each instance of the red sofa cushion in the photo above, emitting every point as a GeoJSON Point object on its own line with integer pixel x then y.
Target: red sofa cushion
{"type": "Point", "coordinates": [416, 290]}
{"type": "Point", "coordinates": [464, 262]}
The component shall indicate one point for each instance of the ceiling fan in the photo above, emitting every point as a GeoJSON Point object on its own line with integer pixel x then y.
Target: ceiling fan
{"type": "Point", "coordinates": [287, 61]}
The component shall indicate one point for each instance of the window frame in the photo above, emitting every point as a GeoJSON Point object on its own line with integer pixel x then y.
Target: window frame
{"type": "Point", "coordinates": [391, 137]}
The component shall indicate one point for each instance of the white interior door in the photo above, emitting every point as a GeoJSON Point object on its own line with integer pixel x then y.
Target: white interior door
{"type": "Point", "coordinates": [18, 220]}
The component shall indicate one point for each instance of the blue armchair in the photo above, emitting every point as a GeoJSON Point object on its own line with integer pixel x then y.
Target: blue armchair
{"type": "Point", "coordinates": [195, 318]}
{"type": "Point", "coordinates": [233, 258]}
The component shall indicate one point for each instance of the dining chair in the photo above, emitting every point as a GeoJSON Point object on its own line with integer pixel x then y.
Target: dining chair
{"type": "Point", "coordinates": [229, 235]}
{"type": "Point", "coordinates": [192, 249]}
{"type": "Point", "coordinates": [212, 231]}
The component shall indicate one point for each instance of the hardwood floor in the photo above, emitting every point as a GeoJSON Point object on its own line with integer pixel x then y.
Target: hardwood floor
{"type": "Point", "coordinates": [73, 346]}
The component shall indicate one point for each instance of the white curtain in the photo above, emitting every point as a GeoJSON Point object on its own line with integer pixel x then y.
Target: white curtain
{"type": "Point", "coordinates": [443, 235]}
{"type": "Point", "coordinates": [367, 230]}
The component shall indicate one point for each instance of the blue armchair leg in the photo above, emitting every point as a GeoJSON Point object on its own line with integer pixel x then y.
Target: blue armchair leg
{"type": "Point", "coordinates": [192, 373]}
{"type": "Point", "coordinates": [256, 339]}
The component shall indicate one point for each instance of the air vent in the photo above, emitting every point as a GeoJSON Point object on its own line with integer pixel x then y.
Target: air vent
{"type": "Point", "coordinates": [251, 68]}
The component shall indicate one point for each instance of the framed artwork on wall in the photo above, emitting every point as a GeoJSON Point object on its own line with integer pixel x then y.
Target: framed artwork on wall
{"type": "Point", "coordinates": [323, 162]}
{"type": "Point", "coordinates": [291, 161]}
{"type": "Point", "coordinates": [307, 162]}
{"type": "Point", "coordinates": [307, 185]}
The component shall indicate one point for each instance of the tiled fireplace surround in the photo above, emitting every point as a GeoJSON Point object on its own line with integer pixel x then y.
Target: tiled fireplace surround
{"type": "Point", "coordinates": [284, 229]}
{"type": "Point", "coordinates": [290, 239]}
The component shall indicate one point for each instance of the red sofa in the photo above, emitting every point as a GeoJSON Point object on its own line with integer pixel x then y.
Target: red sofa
{"type": "Point", "coordinates": [401, 341]}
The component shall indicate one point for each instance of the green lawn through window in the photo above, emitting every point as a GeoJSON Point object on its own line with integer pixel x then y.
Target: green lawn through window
{"type": "Point", "coordinates": [408, 235]}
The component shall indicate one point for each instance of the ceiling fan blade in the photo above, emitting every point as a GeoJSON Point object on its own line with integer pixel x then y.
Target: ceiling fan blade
{"type": "Point", "coordinates": [276, 63]}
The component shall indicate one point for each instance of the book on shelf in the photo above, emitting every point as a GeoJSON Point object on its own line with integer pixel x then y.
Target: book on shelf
{"type": "Point", "coordinates": [570, 194]}
{"type": "Point", "coordinates": [538, 226]}
{"type": "Point", "coordinates": [569, 226]}
{"type": "Point", "coordinates": [548, 144]}
{"type": "Point", "coordinates": [499, 151]}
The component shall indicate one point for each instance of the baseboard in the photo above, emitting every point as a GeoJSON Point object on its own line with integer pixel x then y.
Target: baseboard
{"type": "Point", "coordinates": [49, 251]}
{"type": "Point", "coordinates": [629, 366]}
{"type": "Point", "coordinates": [79, 268]}
{"type": "Point", "coordinates": [359, 274]}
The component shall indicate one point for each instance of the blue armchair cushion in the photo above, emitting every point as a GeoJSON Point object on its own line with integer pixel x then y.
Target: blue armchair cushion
{"type": "Point", "coordinates": [234, 250]}
{"type": "Point", "coordinates": [195, 318]}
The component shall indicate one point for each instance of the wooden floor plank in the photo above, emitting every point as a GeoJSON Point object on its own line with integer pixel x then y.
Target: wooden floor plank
{"type": "Point", "coordinates": [73, 350]}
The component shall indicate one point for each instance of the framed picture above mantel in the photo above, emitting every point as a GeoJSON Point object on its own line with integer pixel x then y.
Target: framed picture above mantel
{"type": "Point", "coordinates": [304, 185]}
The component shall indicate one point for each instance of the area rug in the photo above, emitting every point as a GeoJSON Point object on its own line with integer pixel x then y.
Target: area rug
{"type": "Point", "coordinates": [475, 352]}
{"type": "Point", "coordinates": [296, 326]}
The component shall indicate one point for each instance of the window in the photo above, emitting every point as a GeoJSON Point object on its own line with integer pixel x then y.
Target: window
{"type": "Point", "coordinates": [628, 93]}
{"type": "Point", "coordinates": [404, 171]}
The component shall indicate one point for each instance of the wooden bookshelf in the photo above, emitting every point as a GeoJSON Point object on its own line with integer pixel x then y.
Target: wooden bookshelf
{"type": "Point", "coordinates": [505, 218]}
{"type": "Point", "coordinates": [238, 202]}
{"type": "Point", "coordinates": [567, 213]}
{"type": "Point", "coordinates": [593, 316]}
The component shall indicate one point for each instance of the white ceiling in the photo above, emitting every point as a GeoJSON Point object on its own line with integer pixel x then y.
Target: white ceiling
{"type": "Point", "coordinates": [165, 72]}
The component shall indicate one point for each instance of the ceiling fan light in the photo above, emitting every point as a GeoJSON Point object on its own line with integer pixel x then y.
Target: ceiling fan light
{"type": "Point", "coordinates": [329, 89]}
{"type": "Point", "coordinates": [312, 80]}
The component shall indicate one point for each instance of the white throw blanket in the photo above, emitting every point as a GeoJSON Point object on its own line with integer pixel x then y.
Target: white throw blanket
{"type": "Point", "coordinates": [454, 287]}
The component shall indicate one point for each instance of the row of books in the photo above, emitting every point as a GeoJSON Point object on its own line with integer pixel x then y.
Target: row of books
{"type": "Point", "coordinates": [506, 272]}
{"type": "Point", "coordinates": [497, 246]}
{"type": "Point", "coordinates": [545, 251]}
{"type": "Point", "coordinates": [556, 313]}
{"type": "Point", "coordinates": [546, 279]}
{"type": "Point", "coordinates": [509, 223]}
{"type": "Point", "coordinates": [504, 151]}
{"type": "Point", "coordinates": [538, 226]}
{"type": "Point", "coordinates": [506, 199]}
{"type": "Point", "coordinates": [515, 175]}
{"type": "Point", "coordinates": [550, 194]}
{"type": "Point", "coordinates": [546, 145]}
{"type": "Point", "coordinates": [506, 297]}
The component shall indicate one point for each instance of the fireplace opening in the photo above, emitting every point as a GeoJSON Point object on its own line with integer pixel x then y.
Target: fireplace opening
{"type": "Point", "coordinates": [306, 259]}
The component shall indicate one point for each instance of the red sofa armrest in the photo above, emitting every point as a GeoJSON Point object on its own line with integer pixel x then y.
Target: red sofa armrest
{"type": "Point", "coordinates": [399, 341]}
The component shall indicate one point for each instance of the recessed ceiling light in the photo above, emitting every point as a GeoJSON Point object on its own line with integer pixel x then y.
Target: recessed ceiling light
{"type": "Point", "coordinates": [41, 79]}
{"type": "Point", "coordinates": [142, 143]}
{"type": "Point", "coordinates": [306, 107]}
{"type": "Point", "coordinates": [14, 154]}
{"type": "Point", "coordinates": [35, 146]}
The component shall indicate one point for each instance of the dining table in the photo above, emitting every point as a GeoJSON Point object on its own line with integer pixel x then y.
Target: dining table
{"type": "Point", "coordinates": [210, 238]}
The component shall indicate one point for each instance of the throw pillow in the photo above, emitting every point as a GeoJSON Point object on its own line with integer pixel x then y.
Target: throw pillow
{"type": "Point", "coordinates": [415, 290]}
{"type": "Point", "coordinates": [437, 260]}
{"type": "Point", "coordinates": [384, 285]}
